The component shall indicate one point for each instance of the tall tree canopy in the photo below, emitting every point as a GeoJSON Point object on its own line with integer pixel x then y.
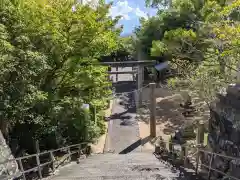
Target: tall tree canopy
{"type": "Point", "coordinates": [48, 49]}
{"type": "Point", "coordinates": [198, 38]}
{"type": "Point", "coordinates": [125, 51]}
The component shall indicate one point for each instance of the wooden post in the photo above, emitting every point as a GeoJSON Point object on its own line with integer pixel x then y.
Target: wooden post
{"type": "Point", "coordinates": [200, 133]}
{"type": "Point", "coordinates": [197, 160]}
{"type": "Point", "coordinates": [238, 74]}
{"type": "Point", "coordinates": [140, 84]}
{"type": "Point", "coordinates": [95, 115]}
{"type": "Point", "coordinates": [182, 153]}
{"type": "Point", "coordinates": [157, 149]}
{"type": "Point", "coordinates": [39, 166]}
{"type": "Point", "coordinates": [205, 140]}
{"type": "Point", "coordinates": [152, 110]}
{"type": "Point", "coordinates": [38, 159]}
{"type": "Point", "coordinates": [79, 153]}
{"type": "Point", "coordinates": [37, 147]}
{"type": "Point", "coordinates": [109, 75]}
{"type": "Point", "coordinates": [157, 146]}
{"type": "Point", "coordinates": [210, 166]}
{"type": "Point", "coordinates": [199, 142]}
{"type": "Point", "coordinates": [170, 145]}
{"type": "Point", "coordinates": [133, 74]}
{"type": "Point", "coordinates": [86, 120]}
{"type": "Point", "coordinates": [185, 156]}
{"type": "Point", "coordinates": [21, 168]}
{"type": "Point", "coordinates": [117, 74]}
{"type": "Point", "coordinates": [154, 75]}
{"type": "Point", "coordinates": [53, 161]}
{"type": "Point", "coordinates": [79, 150]}
{"type": "Point", "coordinates": [69, 154]}
{"type": "Point", "coordinates": [140, 76]}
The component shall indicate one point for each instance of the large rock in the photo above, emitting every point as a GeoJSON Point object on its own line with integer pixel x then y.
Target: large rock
{"type": "Point", "coordinates": [6, 167]}
{"type": "Point", "coordinates": [234, 168]}
{"type": "Point", "coordinates": [224, 131]}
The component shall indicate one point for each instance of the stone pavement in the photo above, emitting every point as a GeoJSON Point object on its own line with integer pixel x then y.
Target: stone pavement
{"type": "Point", "coordinates": [131, 166]}
{"type": "Point", "coordinates": [123, 130]}
{"type": "Point", "coordinates": [135, 166]}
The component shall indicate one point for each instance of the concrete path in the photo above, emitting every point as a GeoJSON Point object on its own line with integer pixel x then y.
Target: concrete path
{"type": "Point", "coordinates": [123, 130]}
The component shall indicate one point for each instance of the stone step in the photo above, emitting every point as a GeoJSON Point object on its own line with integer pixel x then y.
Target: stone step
{"type": "Point", "coordinates": [109, 163]}
{"type": "Point", "coordinates": [135, 166]}
{"type": "Point", "coordinates": [124, 177]}
{"type": "Point", "coordinates": [131, 156]}
{"type": "Point", "coordinates": [119, 173]}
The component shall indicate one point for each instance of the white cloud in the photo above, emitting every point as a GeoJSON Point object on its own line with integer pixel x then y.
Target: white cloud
{"type": "Point", "coordinates": [140, 13]}
{"type": "Point", "coordinates": [122, 8]}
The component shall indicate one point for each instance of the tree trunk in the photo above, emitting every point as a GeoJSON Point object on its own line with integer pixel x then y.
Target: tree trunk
{"type": "Point", "coordinates": [222, 64]}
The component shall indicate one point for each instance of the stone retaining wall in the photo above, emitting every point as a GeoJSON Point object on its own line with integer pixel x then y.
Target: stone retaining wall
{"type": "Point", "coordinates": [6, 168]}
{"type": "Point", "coordinates": [224, 133]}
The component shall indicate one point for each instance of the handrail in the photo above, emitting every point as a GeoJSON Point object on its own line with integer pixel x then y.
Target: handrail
{"type": "Point", "coordinates": [41, 153]}
{"type": "Point", "coordinates": [210, 163]}
{"type": "Point", "coordinates": [227, 176]}
{"type": "Point", "coordinates": [199, 147]}
{"type": "Point", "coordinates": [40, 165]}
{"type": "Point", "coordinates": [229, 157]}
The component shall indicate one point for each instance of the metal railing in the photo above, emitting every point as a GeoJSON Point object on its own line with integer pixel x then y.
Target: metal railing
{"type": "Point", "coordinates": [79, 148]}
{"type": "Point", "coordinates": [195, 156]}
{"type": "Point", "coordinates": [210, 168]}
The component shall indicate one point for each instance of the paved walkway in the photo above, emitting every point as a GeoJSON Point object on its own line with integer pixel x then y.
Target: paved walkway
{"type": "Point", "coordinates": [123, 130]}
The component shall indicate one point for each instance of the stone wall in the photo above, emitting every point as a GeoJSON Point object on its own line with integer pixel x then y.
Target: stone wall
{"type": "Point", "coordinates": [224, 132]}
{"type": "Point", "coordinates": [6, 168]}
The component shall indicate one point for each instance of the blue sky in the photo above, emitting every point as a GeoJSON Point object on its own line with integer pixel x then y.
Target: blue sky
{"type": "Point", "coordinates": [131, 11]}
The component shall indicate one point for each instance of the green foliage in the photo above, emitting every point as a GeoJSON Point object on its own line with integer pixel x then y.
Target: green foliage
{"type": "Point", "coordinates": [179, 43]}
{"type": "Point", "coordinates": [198, 38]}
{"type": "Point", "coordinates": [125, 51]}
{"type": "Point", "coordinates": [157, 3]}
{"type": "Point", "coordinates": [126, 45]}
{"type": "Point", "coordinates": [47, 52]}
{"type": "Point", "coordinates": [158, 48]}
{"type": "Point", "coordinates": [182, 15]}
{"type": "Point", "coordinates": [150, 30]}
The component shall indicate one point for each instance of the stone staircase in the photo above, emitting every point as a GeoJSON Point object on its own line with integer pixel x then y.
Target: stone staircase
{"type": "Point", "coordinates": [132, 166]}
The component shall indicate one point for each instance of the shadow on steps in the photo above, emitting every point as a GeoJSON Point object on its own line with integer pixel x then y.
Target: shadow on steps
{"type": "Point", "coordinates": [131, 147]}
{"type": "Point", "coordinates": [136, 144]}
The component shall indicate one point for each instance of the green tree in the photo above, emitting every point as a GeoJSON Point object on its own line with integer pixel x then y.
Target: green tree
{"type": "Point", "coordinates": [124, 52]}
{"type": "Point", "coordinates": [183, 14]}
{"type": "Point", "coordinates": [206, 53]}
{"type": "Point", "coordinates": [48, 56]}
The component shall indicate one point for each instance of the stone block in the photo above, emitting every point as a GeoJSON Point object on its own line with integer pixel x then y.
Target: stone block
{"type": "Point", "coordinates": [234, 169]}
{"type": "Point", "coordinates": [224, 131]}
{"type": "Point", "coordinates": [6, 167]}
{"type": "Point", "coordinates": [235, 136]}
{"type": "Point", "coordinates": [222, 163]}
{"type": "Point", "coordinates": [234, 90]}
